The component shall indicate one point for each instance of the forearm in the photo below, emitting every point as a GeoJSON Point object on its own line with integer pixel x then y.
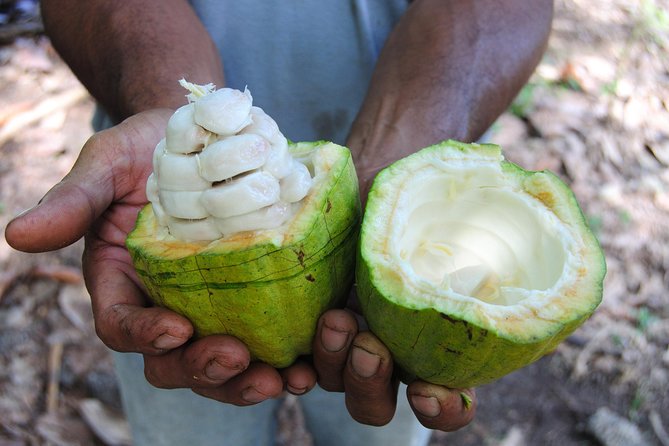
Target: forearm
{"type": "Point", "coordinates": [448, 70]}
{"type": "Point", "coordinates": [129, 54]}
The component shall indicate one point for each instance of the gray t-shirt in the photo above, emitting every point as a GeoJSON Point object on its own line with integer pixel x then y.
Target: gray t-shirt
{"type": "Point", "coordinates": [307, 63]}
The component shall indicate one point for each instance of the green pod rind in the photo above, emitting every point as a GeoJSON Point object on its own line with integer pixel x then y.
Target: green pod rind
{"type": "Point", "coordinates": [266, 288]}
{"type": "Point", "coordinates": [441, 349]}
{"type": "Point", "coordinates": [456, 344]}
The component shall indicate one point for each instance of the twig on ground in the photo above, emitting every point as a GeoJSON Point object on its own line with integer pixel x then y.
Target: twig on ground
{"type": "Point", "coordinates": [7, 278]}
{"type": "Point", "coordinates": [55, 364]}
{"type": "Point", "coordinates": [658, 428]}
{"type": "Point", "coordinates": [42, 109]}
{"type": "Point", "coordinates": [604, 335]}
{"type": "Point", "coordinates": [59, 273]}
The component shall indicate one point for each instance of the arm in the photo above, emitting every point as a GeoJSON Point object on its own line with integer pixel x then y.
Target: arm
{"type": "Point", "coordinates": [130, 63]}
{"type": "Point", "coordinates": [134, 51]}
{"type": "Point", "coordinates": [129, 54]}
{"type": "Point", "coordinates": [448, 70]}
{"type": "Point", "coordinates": [130, 66]}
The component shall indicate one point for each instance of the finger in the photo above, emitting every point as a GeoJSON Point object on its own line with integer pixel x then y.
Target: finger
{"type": "Point", "coordinates": [334, 334]}
{"type": "Point", "coordinates": [208, 362]}
{"type": "Point", "coordinates": [371, 392]}
{"type": "Point", "coordinates": [440, 408]}
{"type": "Point", "coordinates": [299, 378]}
{"type": "Point", "coordinates": [122, 319]}
{"type": "Point", "coordinates": [110, 166]}
{"type": "Point", "coordinates": [63, 216]}
{"type": "Point", "coordinates": [152, 331]}
{"type": "Point", "coordinates": [258, 383]}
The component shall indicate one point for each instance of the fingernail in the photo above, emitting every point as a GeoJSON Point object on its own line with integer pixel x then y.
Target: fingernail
{"type": "Point", "coordinates": [364, 363]}
{"type": "Point", "coordinates": [426, 405]}
{"type": "Point", "coordinates": [167, 342]}
{"type": "Point", "coordinates": [251, 395]}
{"type": "Point", "coordinates": [333, 340]}
{"type": "Point", "coordinates": [217, 371]}
{"type": "Point", "coordinates": [296, 390]}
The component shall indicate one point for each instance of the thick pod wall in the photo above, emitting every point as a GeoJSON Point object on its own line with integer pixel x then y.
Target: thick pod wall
{"type": "Point", "coordinates": [470, 267]}
{"type": "Point", "coordinates": [266, 288]}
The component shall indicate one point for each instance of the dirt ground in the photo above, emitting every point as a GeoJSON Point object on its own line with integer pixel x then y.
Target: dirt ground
{"type": "Point", "coordinates": [596, 112]}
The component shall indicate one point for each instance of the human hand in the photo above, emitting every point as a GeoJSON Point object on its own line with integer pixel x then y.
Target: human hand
{"type": "Point", "coordinates": [356, 362]}
{"type": "Point", "coordinates": [100, 199]}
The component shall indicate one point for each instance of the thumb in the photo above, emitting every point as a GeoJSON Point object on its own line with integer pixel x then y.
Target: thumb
{"type": "Point", "coordinates": [118, 156]}
{"type": "Point", "coordinates": [63, 215]}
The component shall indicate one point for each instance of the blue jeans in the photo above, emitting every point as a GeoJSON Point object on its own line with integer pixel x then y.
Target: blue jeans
{"type": "Point", "coordinates": [180, 417]}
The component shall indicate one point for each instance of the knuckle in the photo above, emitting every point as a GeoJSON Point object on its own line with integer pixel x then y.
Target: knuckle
{"type": "Point", "coordinates": [153, 378]}
{"type": "Point", "coordinates": [114, 328]}
{"type": "Point", "coordinates": [104, 333]}
{"type": "Point", "coordinates": [93, 141]}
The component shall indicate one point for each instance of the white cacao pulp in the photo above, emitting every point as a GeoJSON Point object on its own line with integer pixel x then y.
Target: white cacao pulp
{"type": "Point", "coordinates": [223, 167]}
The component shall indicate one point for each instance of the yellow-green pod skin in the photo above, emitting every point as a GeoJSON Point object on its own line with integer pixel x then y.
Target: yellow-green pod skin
{"type": "Point", "coordinates": [267, 288]}
{"type": "Point", "coordinates": [457, 341]}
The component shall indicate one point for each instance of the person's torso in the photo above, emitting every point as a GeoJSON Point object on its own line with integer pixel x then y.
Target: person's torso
{"type": "Point", "coordinates": [307, 63]}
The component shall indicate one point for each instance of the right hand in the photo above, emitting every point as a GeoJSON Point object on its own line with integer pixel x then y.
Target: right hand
{"type": "Point", "coordinates": [356, 362]}
{"type": "Point", "coordinates": [100, 199]}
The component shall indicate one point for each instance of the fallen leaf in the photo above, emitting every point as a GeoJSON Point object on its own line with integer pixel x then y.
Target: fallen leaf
{"type": "Point", "coordinates": [613, 430]}
{"type": "Point", "coordinates": [6, 280]}
{"type": "Point", "coordinates": [75, 304]}
{"type": "Point", "coordinates": [59, 273]}
{"type": "Point", "coordinates": [110, 426]}
{"type": "Point", "coordinates": [63, 430]}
